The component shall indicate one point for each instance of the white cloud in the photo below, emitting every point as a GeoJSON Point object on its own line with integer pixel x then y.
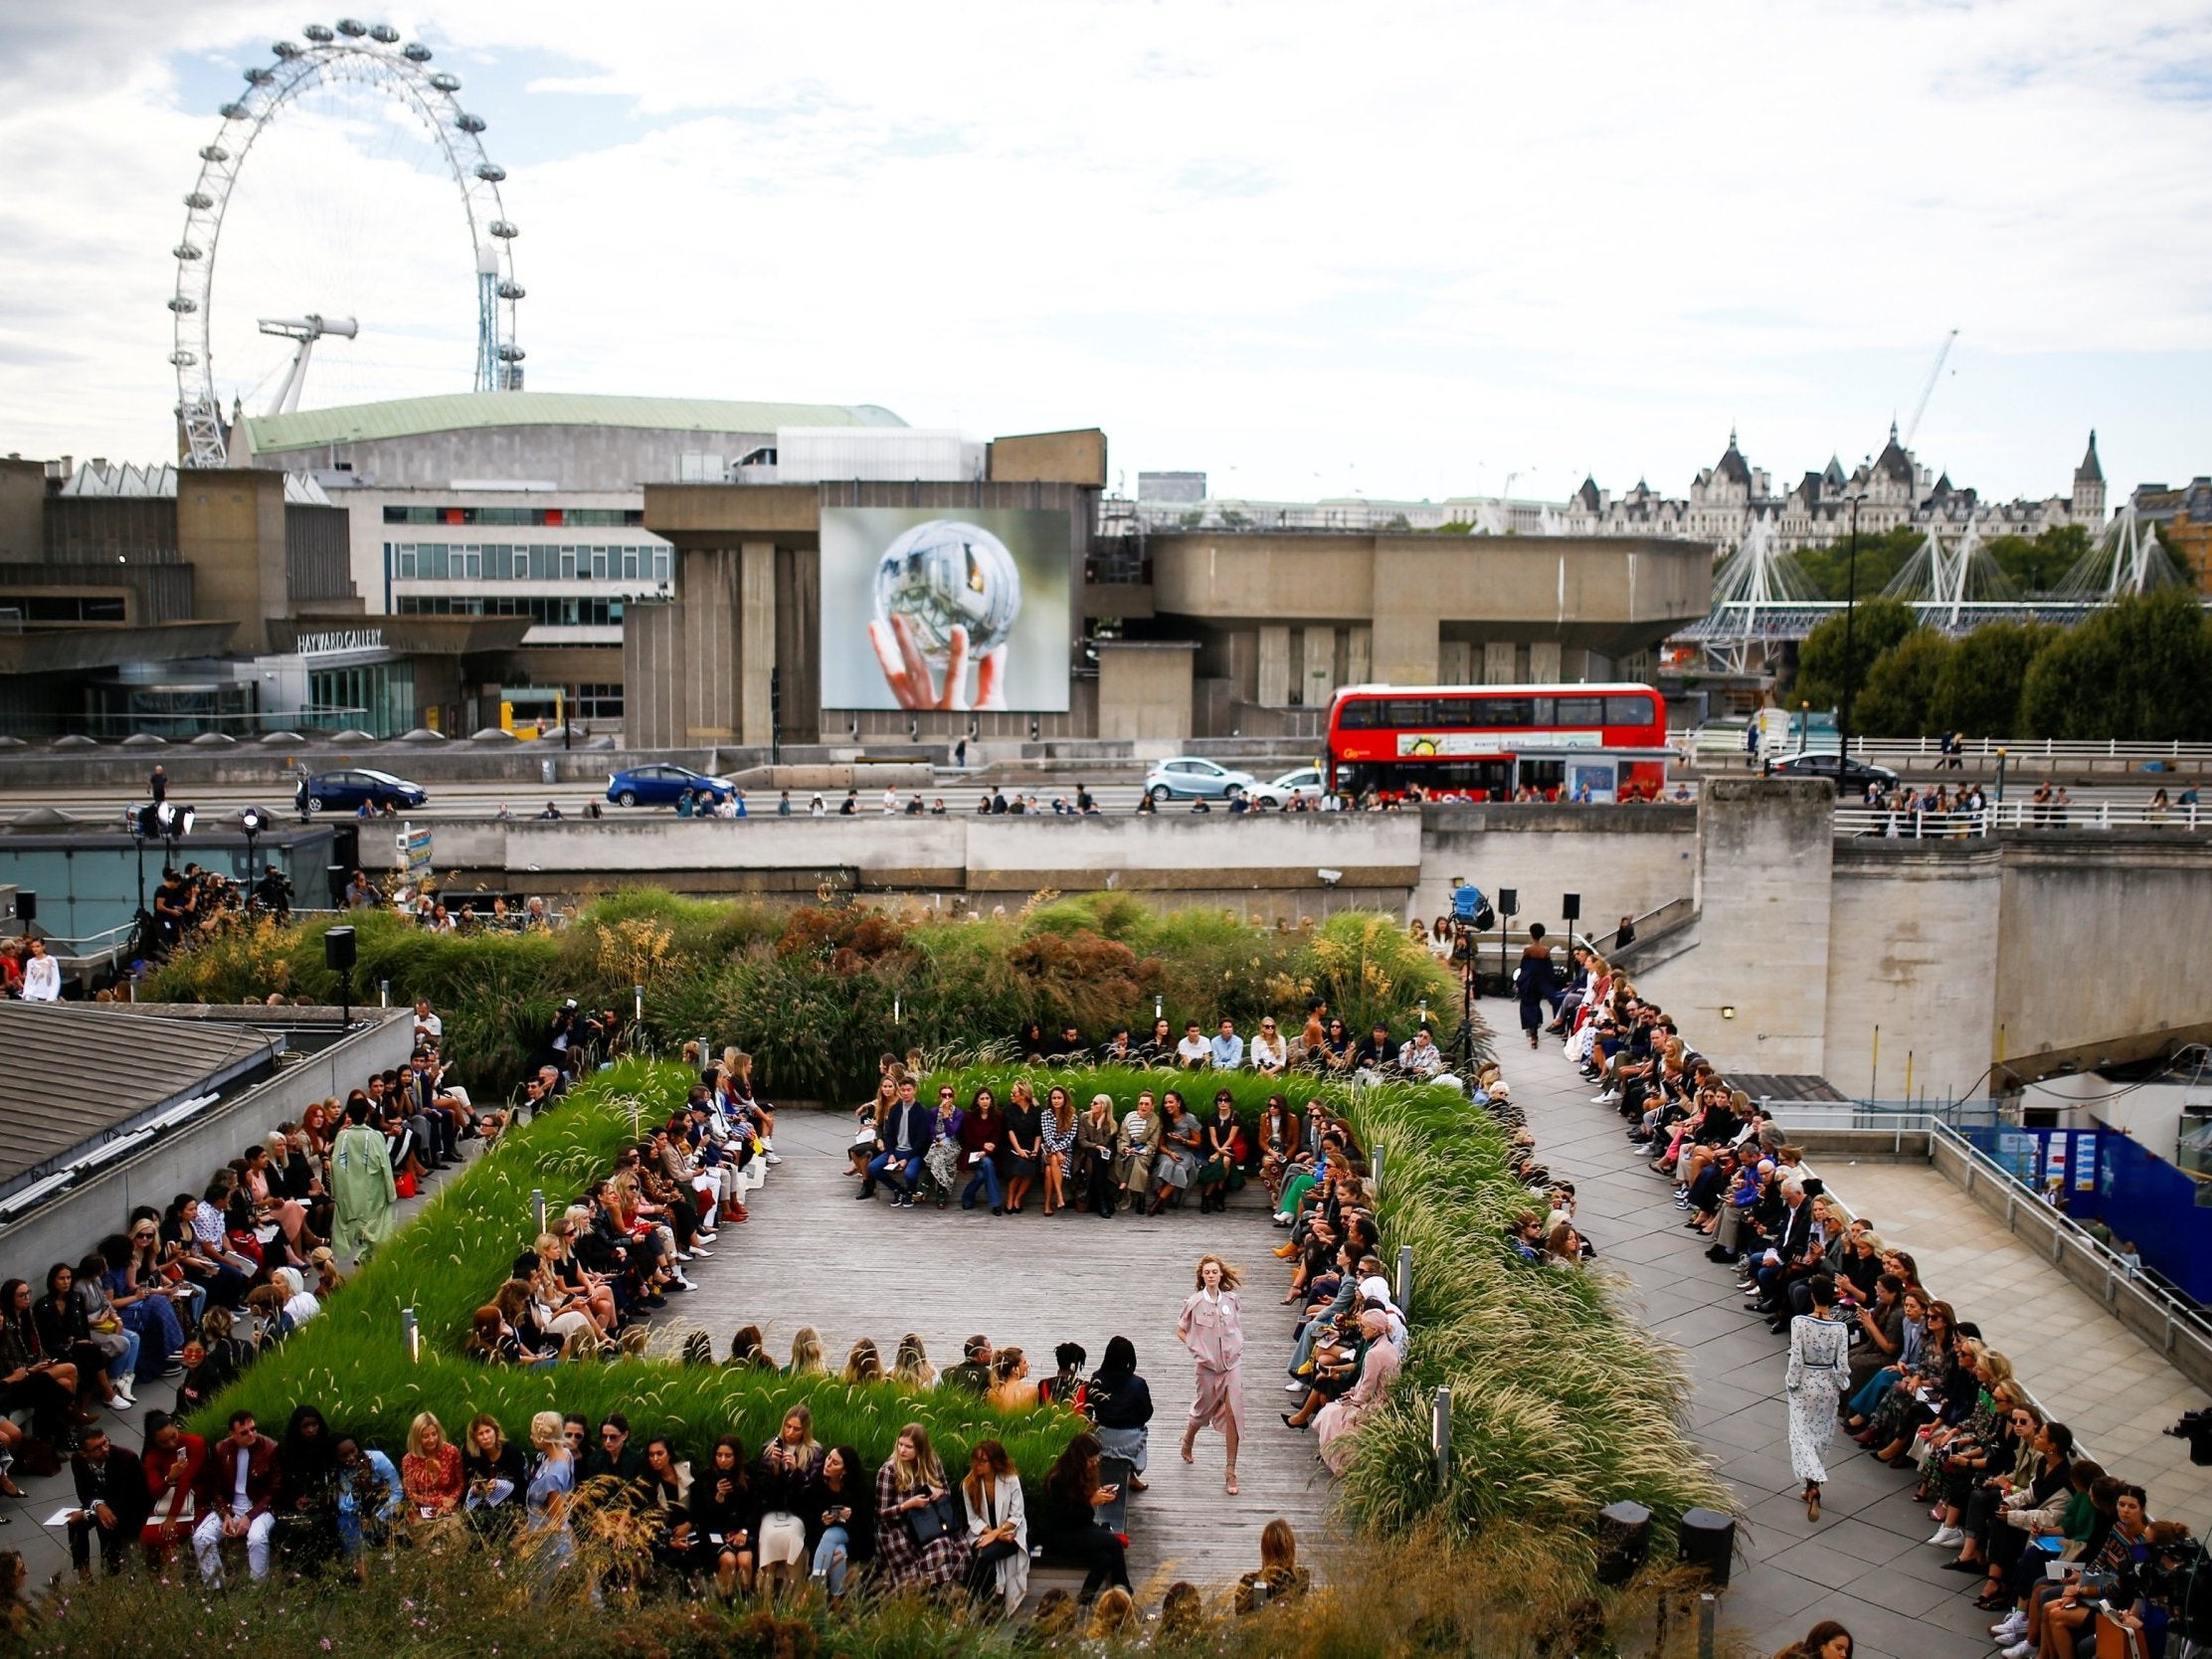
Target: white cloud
{"type": "Point", "coordinates": [1412, 248]}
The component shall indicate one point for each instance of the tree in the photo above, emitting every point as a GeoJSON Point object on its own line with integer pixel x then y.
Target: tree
{"type": "Point", "coordinates": [1978, 690]}
{"type": "Point", "coordinates": [1901, 685]}
{"type": "Point", "coordinates": [2139, 670]}
{"type": "Point", "coordinates": [1878, 625]}
{"type": "Point", "coordinates": [1880, 558]}
{"type": "Point", "coordinates": [2039, 566]}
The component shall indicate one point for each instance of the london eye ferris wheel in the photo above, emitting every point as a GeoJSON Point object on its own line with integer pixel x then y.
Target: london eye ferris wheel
{"type": "Point", "coordinates": [369, 63]}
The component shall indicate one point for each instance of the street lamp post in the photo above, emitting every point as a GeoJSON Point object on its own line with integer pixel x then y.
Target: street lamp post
{"type": "Point", "coordinates": [1850, 607]}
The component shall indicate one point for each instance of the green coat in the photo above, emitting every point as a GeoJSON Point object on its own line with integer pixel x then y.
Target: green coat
{"type": "Point", "coordinates": [361, 1191]}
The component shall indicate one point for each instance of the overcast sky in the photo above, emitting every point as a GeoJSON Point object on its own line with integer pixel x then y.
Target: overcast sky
{"type": "Point", "coordinates": [1408, 250]}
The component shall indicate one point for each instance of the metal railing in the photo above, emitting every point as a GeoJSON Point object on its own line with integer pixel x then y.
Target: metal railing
{"type": "Point", "coordinates": [2027, 749]}
{"type": "Point", "coordinates": [2129, 1293]}
{"type": "Point", "coordinates": [1912, 823]}
{"type": "Point", "coordinates": [2183, 1328]}
{"type": "Point", "coordinates": [1978, 754]}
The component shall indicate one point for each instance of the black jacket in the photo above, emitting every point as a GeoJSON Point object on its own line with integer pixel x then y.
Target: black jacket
{"type": "Point", "coordinates": [1118, 1400]}
{"type": "Point", "coordinates": [125, 1492]}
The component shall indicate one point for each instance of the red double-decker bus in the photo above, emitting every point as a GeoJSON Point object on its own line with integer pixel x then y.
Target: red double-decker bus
{"type": "Point", "coordinates": [1499, 742]}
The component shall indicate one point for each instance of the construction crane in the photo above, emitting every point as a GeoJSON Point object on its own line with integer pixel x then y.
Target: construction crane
{"type": "Point", "coordinates": [306, 330]}
{"type": "Point", "coordinates": [1942, 352]}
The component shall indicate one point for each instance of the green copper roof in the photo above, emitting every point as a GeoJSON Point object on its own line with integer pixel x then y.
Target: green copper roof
{"type": "Point", "coordinates": [310, 429]}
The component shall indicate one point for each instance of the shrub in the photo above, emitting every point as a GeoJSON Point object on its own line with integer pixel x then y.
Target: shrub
{"type": "Point", "coordinates": [452, 1258]}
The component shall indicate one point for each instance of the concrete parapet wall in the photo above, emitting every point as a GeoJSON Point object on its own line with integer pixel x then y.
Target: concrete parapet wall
{"type": "Point", "coordinates": [1621, 861]}
{"type": "Point", "coordinates": [1763, 952]}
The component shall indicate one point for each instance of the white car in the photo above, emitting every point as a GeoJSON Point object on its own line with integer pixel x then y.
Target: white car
{"type": "Point", "coordinates": [1187, 777]}
{"type": "Point", "coordinates": [1306, 781]}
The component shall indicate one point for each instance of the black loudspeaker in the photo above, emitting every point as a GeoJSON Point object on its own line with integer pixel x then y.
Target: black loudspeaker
{"type": "Point", "coordinates": [337, 950]}
{"type": "Point", "coordinates": [1570, 909]}
{"type": "Point", "coordinates": [1708, 1545]}
{"type": "Point", "coordinates": [345, 845]}
{"type": "Point", "coordinates": [341, 878]}
{"type": "Point", "coordinates": [1509, 901]}
{"type": "Point", "coordinates": [1624, 1540]}
{"type": "Point", "coordinates": [26, 905]}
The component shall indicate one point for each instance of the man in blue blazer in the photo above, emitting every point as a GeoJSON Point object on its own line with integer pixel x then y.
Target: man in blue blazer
{"type": "Point", "coordinates": [899, 1147]}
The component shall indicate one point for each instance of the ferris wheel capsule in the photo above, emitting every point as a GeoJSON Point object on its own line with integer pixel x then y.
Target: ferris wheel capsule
{"type": "Point", "coordinates": [352, 28]}
{"type": "Point", "coordinates": [183, 359]}
{"type": "Point", "coordinates": [491, 172]}
{"type": "Point", "coordinates": [469, 124]}
{"type": "Point", "coordinates": [511, 290]}
{"type": "Point", "coordinates": [415, 52]}
{"type": "Point", "coordinates": [183, 306]}
{"type": "Point", "coordinates": [319, 33]}
{"type": "Point", "coordinates": [211, 152]}
{"type": "Point", "coordinates": [185, 251]}
{"type": "Point", "coordinates": [384, 33]}
{"type": "Point", "coordinates": [231, 111]}
{"type": "Point", "coordinates": [286, 49]}
{"type": "Point", "coordinates": [261, 74]}
{"type": "Point", "coordinates": [503, 229]}
{"type": "Point", "coordinates": [445, 81]}
{"type": "Point", "coordinates": [198, 199]}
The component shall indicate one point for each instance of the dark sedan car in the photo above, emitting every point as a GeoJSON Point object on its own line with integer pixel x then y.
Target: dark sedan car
{"type": "Point", "coordinates": [658, 786]}
{"type": "Point", "coordinates": [344, 791]}
{"type": "Point", "coordinates": [1849, 777]}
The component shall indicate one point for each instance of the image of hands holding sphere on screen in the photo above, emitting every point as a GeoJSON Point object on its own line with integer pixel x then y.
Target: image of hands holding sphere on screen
{"type": "Point", "coordinates": [925, 609]}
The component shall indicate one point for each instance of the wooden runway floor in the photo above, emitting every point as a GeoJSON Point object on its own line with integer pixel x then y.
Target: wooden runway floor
{"type": "Point", "coordinates": [812, 1255]}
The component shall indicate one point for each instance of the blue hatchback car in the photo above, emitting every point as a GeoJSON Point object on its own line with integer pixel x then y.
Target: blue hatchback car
{"type": "Point", "coordinates": [344, 791]}
{"type": "Point", "coordinates": [658, 786]}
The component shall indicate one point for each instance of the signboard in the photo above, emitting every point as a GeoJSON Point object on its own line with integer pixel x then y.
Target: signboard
{"type": "Point", "coordinates": [335, 640]}
{"type": "Point", "coordinates": [414, 854]}
{"type": "Point", "coordinates": [1492, 743]}
{"type": "Point", "coordinates": [929, 608]}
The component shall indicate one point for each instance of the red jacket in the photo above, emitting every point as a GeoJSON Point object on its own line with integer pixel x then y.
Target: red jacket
{"type": "Point", "coordinates": [192, 1452]}
{"type": "Point", "coordinates": [220, 1484]}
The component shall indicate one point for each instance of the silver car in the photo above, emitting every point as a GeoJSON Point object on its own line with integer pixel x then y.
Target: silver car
{"type": "Point", "coordinates": [1187, 777]}
{"type": "Point", "coordinates": [1306, 781]}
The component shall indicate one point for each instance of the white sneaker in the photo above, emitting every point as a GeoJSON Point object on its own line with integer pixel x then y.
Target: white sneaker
{"type": "Point", "coordinates": [774, 1159]}
{"type": "Point", "coordinates": [697, 1251]}
{"type": "Point", "coordinates": [1947, 1538]}
{"type": "Point", "coordinates": [1294, 1387]}
{"type": "Point", "coordinates": [1611, 1097]}
{"type": "Point", "coordinates": [703, 1237]}
{"type": "Point", "coordinates": [2011, 1627]}
{"type": "Point", "coordinates": [2019, 1650]}
{"type": "Point", "coordinates": [683, 1255]}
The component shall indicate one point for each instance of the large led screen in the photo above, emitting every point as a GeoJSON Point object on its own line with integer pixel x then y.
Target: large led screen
{"type": "Point", "coordinates": [935, 608]}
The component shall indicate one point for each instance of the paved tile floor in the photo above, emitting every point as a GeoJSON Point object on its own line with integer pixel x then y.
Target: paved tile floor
{"type": "Point", "coordinates": [2095, 1375]}
{"type": "Point", "coordinates": [1863, 1563]}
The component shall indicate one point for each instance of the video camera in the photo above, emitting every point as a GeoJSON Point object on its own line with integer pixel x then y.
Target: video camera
{"type": "Point", "coordinates": [2196, 1428]}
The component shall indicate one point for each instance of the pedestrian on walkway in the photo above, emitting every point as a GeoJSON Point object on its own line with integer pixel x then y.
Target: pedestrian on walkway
{"type": "Point", "coordinates": [1819, 1365]}
{"type": "Point", "coordinates": [362, 1190]}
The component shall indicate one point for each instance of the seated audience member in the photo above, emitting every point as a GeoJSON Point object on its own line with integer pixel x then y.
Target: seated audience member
{"type": "Point", "coordinates": [240, 1490]}
{"type": "Point", "coordinates": [1279, 1579]}
{"type": "Point", "coordinates": [997, 1526]}
{"type": "Point", "coordinates": [901, 1143]}
{"type": "Point", "coordinates": [1069, 1523]}
{"type": "Point", "coordinates": [917, 1537]}
{"type": "Point", "coordinates": [112, 1502]}
{"type": "Point", "coordinates": [724, 1517]}
{"type": "Point", "coordinates": [839, 1513]}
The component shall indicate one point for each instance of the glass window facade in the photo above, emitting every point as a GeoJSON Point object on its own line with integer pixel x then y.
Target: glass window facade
{"type": "Point", "coordinates": [377, 697]}
{"type": "Point", "coordinates": [439, 561]}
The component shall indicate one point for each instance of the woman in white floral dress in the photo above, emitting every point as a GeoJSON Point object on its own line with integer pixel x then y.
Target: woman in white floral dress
{"type": "Point", "coordinates": [1819, 1365]}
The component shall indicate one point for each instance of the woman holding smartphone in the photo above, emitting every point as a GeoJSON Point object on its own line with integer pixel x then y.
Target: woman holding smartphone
{"type": "Point", "coordinates": [840, 1521]}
